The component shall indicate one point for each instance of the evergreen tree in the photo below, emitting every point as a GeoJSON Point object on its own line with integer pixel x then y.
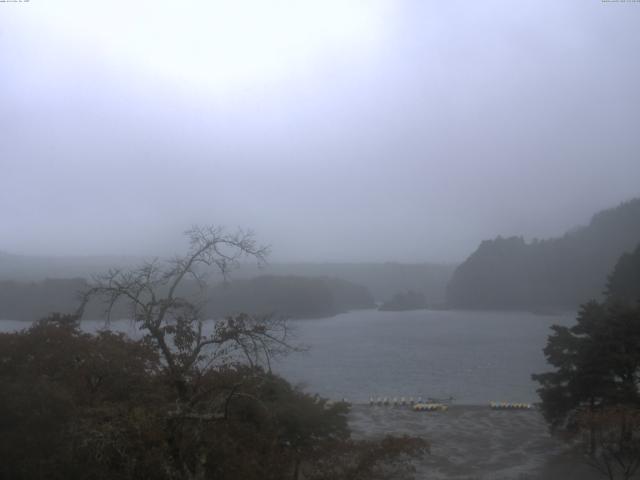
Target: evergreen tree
{"type": "Point", "coordinates": [597, 363]}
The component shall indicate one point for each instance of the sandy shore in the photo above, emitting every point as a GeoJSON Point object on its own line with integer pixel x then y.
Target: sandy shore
{"type": "Point", "coordinates": [475, 442]}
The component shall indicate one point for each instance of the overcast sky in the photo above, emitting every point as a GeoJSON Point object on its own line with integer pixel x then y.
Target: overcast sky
{"type": "Point", "coordinates": [338, 131]}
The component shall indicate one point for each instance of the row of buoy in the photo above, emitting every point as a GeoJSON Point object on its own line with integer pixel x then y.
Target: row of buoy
{"type": "Point", "coordinates": [510, 406]}
{"type": "Point", "coordinates": [387, 401]}
{"type": "Point", "coordinates": [434, 404]}
{"type": "Point", "coordinates": [430, 407]}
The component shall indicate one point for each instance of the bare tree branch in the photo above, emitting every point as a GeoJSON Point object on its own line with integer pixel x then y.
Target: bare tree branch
{"type": "Point", "coordinates": [152, 294]}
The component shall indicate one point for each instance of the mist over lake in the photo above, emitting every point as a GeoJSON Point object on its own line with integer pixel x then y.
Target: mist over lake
{"type": "Point", "coordinates": [319, 240]}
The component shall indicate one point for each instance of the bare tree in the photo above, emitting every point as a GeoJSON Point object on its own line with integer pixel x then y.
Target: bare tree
{"type": "Point", "coordinates": [164, 304]}
{"type": "Point", "coordinates": [154, 294]}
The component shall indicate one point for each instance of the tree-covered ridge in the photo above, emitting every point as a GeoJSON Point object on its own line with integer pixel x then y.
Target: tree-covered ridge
{"type": "Point", "coordinates": [288, 296]}
{"type": "Point", "coordinates": [623, 285]}
{"type": "Point", "coordinates": [381, 279]}
{"type": "Point", "coordinates": [33, 300]}
{"type": "Point", "coordinates": [409, 300]}
{"type": "Point", "coordinates": [558, 272]}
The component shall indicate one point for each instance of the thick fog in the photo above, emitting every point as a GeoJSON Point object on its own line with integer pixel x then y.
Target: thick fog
{"type": "Point", "coordinates": [338, 131]}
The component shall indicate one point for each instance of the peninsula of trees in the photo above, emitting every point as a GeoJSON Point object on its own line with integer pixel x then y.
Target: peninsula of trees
{"type": "Point", "coordinates": [381, 279]}
{"type": "Point", "coordinates": [285, 296]}
{"type": "Point", "coordinates": [408, 300]}
{"type": "Point", "coordinates": [289, 296]}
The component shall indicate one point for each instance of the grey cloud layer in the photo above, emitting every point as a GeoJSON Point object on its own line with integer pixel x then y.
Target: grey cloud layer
{"type": "Point", "coordinates": [473, 119]}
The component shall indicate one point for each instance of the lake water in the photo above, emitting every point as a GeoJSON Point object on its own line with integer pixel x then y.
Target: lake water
{"type": "Point", "coordinates": [473, 356]}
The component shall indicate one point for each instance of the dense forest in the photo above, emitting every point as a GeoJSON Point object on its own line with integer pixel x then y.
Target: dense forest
{"type": "Point", "coordinates": [289, 296]}
{"type": "Point", "coordinates": [33, 300]}
{"type": "Point", "coordinates": [409, 300]}
{"type": "Point", "coordinates": [560, 272]}
{"type": "Point", "coordinates": [382, 279]}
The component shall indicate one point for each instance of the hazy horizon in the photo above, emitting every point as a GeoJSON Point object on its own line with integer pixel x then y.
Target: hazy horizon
{"type": "Point", "coordinates": [181, 245]}
{"type": "Point", "coordinates": [338, 131]}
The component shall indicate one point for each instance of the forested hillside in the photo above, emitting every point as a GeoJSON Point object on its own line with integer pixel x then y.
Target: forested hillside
{"type": "Point", "coordinates": [34, 300]}
{"type": "Point", "coordinates": [408, 300]}
{"type": "Point", "coordinates": [382, 279]}
{"type": "Point", "coordinates": [288, 296]}
{"type": "Point", "coordinates": [555, 273]}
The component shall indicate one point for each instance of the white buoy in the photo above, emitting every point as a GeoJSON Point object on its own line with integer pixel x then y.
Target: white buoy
{"type": "Point", "coordinates": [509, 405]}
{"type": "Point", "coordinates": [430, 407]}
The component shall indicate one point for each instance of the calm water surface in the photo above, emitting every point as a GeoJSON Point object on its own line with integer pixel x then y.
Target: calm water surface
{"type": "Point", "coordinates": [473, 356]}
